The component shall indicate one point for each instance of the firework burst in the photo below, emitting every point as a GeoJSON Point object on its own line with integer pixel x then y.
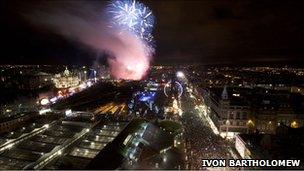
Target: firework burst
{"type": "Point", "coordinates": [133, 16]}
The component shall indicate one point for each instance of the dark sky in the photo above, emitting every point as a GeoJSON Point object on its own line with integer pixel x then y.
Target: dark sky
{"type": "Point", "coordinates": [206, 31]}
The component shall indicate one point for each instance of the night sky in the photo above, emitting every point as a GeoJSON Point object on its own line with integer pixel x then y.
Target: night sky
{"type": "Point", "coordinates": [207, 32]}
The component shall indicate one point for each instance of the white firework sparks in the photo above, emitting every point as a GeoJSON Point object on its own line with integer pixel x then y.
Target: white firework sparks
{"type": "Point", "coordinates": [134, 16]}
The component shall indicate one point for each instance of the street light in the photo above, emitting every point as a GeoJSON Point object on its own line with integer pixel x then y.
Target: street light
{"type": "Point", "coordinates": [68, 112]}
{"type": "Point", "coordinates": [294, 124]}
{"type": "Point", "coordinates": [250, 122]}
{"type": "Point", "coordinates": [44, 101]}
{"type": "Point", "coordinates": [10, 145]}
{"type": "Point", "coordinates": [227, 124]}
{"type": "Point", "coordinates": [180, 74]}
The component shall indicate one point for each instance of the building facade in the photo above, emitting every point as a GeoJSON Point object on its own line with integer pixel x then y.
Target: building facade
{"type": "Point", "coordinates": [230, 115]}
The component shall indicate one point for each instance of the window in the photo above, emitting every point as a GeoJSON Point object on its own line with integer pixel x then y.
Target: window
{"type": "Point", "coordinates": [238, 115]}
{"type": "Point", "coordinates": [244, 116]}
{"type": "Point", "coordinates": [231, 116]}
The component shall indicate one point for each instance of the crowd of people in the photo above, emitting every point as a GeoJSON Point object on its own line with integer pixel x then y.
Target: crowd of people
{"type": "Point", "coordinates": [201, 142]}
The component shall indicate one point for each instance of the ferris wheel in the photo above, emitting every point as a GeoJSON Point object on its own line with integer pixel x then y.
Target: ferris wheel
{"type": "Point", "coordinates": [173, 85]}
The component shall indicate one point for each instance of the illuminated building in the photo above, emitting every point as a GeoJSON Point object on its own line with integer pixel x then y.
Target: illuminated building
{"type": "Point", "coordinates": [66, 80]}
{"type": "Point", "coordinates": [15, 115]}
{"type": "Point", "coordinates": [271, 146]}
{"type": "Point", "coordinates": [229, 113]}
{"type": "Point", "coordinates": [12, 123]}
{"type": "Point", "coordinates": [241, 110]}
{"type": "Point", "coordinates": [30, 80]}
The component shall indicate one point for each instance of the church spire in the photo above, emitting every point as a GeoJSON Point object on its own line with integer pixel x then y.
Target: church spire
{"type": "Point", "coordinates": [225, 94]}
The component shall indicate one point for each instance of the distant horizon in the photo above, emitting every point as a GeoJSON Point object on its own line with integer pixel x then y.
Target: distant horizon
{"type": "Point", "coordinates": [299, 63]}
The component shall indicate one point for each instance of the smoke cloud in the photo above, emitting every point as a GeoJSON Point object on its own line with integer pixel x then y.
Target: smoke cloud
{"type": "Point", "coordinates": [129, 55]}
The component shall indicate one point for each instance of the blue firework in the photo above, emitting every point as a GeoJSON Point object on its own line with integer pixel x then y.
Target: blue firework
{"type": "Point", "coordinates": [133, 16]}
